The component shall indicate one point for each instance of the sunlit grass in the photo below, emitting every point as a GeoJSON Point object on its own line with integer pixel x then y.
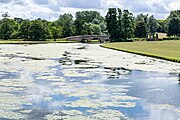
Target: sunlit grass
{"type": "Point", "coordinates": [168, 50]}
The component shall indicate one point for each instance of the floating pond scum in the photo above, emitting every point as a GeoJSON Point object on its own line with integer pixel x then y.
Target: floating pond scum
{"type": "Point", "coordinates": [75, 88]}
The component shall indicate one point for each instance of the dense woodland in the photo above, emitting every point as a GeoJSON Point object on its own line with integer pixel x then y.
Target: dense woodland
{"type": "Point", "coordinates": [120, 25]}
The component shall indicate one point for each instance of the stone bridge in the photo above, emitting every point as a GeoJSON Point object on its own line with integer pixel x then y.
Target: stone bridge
{"type": "Point", "coordinates": [88, 38]}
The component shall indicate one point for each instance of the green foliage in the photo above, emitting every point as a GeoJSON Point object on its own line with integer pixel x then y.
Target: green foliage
{"type": "Point", "coordinates": [24, 30]}
{"type": "Point", "coordinates": [173, 23]}
{"type": "Point", "coordinates": [56, 32]}
{"type": "Point", "coordinates": [37, 31]}
{"type": "Point", "coordinates": [171, 38]}
{"type": "Point", "coordinates": [87, 29]}
{"type": "Point", "coordinates": [83, 22]}
{"type": "Point", "coordinates": [119, 25]}
{"type": "Point", "coordinates": [79, 26]}
{"type": "Point", "coordinates": [103, 26]}
{"type": "Point", "coordinates": [173, 26]}
{"type": "Point", "coordinates": [96, 29]}
{"type": "Point", "coordinates": [161, 26]}
{"type": "Point", "coordinates": [120, 31]}
{"type": "Point", "coordinates": [18, 20]}
{"type": "Point", "coordinates": [89, 16]}
{"type": "Point", "coordinates": [95, 21]}
{"type": "Point", "coordinates": [66, 22]}
{"type": "Point", "coordinates": [152, 25]}
{"type": "Point", "coordinates": [7, 27]}
{"type": "Point", "coordinates": [112, 24]}
{"type": "Point", "coordinates": [140, 29]}
{"type": "Point", "coordinates": [128, 24]}
{"type": "Point", "coordinates": [141, 26]}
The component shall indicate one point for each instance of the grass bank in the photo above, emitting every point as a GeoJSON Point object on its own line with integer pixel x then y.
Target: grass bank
{"type": "Point", "coordinates": [20, 41]}
{"type": "Point", "coordinates": [167, 50]}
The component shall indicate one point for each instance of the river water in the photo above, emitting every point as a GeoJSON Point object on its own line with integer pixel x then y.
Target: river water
{"type": "Point", "coordinates": [70, 87]}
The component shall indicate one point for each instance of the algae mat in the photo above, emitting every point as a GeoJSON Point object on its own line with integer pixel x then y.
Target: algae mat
{"type": "Point", "coordinates": [65, 85]}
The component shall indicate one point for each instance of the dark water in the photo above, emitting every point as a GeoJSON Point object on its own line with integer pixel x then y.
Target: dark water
{"type": "Point", "coordinates": [158, 93]}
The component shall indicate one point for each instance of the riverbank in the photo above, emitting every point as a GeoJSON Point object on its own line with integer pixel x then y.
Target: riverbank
{"type": "Point", "coordinates": [107, 57]}
{"type": "Point", "coordinates": [16, 41]}
{"type": "Point", "coordinates": [167, 50]}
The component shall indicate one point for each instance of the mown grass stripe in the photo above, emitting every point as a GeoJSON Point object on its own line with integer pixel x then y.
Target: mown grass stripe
{"type": "Point", "coordinates": [173, 59]}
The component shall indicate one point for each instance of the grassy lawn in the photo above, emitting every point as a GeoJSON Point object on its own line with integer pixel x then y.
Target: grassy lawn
{"type": "Point", "coordinates": [19, 41]}
{"type": "Point", "coordinates": [168, 50]}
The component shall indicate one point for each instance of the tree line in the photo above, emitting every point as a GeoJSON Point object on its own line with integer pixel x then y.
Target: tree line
{"type": "Point", "coordinates": [120, 25]}
{"type": "Point", "coordinates": [86, 23]}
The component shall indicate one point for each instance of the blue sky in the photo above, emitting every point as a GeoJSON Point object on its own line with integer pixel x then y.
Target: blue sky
{"type": "Point", "coordinates": [51, 9]}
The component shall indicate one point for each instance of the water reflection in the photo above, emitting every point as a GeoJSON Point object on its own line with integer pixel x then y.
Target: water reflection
{"type": "Point", "coordinates": [75, 92]}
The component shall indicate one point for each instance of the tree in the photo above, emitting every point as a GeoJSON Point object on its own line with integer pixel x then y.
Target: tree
{"type": "Point", "coordinates": [95, 21]}
{"type": "Point", "coordinates": [95, 29]}
{"type": "Point", "coordinates": [24, 30]}
{"type": "Point", "coordinates": [103, 27]}
{"type": "Point", "coordinates": [140, 29]}
{"type": "Point", "coordinates": [7, 27]}
{"type": "Point", "coordinates": [112, 24]}
{"type": "Point", "coordinates": [18, 20]}
{"type": "Point", "coordinates": [128, 25]}
{"type": "Point", "coordinates": [161, 26]}
{"type": "Point", "coordinates": [120, 26]}
{"type": "Point", "coordinates": [152, 25]}
{"type": "Point", "coordinates": [84, 19]}
{"type": "Point", "coordinates": [79, 26]}
{"type": "Point", "coordinates": [66, 22]}
{"type": "Point", "coordinates": [89, 16]}
{"type": "Point", "coordinates": [141, 26]}
{"type": "Point", "coordinates": [87, 29]}
{"type": "Point", "coordinates": [56, 32]}
{"type": "Point", "coordinates": [173, 23]}
{"type": "Point", "coordinates": [173, 27]}
{"type": "Point", "coordinates": [37, 31]}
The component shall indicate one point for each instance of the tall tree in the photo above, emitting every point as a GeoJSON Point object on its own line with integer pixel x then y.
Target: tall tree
{"type": "Point", "coordinates": [128, 25]}
{"type": "Point", "coordinates": [120, 25]}
{"type": "Point", "coordinates": [7, 27]}
{"type": "Point", "coordinates": [112, 24]}
{"type": "Point", "coordinates": [79, 26]}
{"type": "Point", "coordinates": [84, 19]}
{"type": "Point", "coordinates": [89, 16]}
{"type": "Point", "coordinates": [161, 26]}
{"type": "Point", "coordinates": [173, 23]}
{"type": "Point", "coordinates": [24, 29]}
{"type": "Point", "coordinates": [141, 26]}
{"type": "Point", "coordinates": [152, 25]}
{"type": "Point", "coordinates": [173, 27]}
{"type": "Point", "coordinates": [37, 31]}
{"type": "Point", "coordinates": [140, 29]}
{"type": "Point", "coordinates": [66, 22]}
{"type": "Point", "coordinates": [120, 29]}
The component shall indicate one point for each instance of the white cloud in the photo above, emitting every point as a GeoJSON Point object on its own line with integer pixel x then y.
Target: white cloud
{"type": "Point", "coordinates": [51, 9]}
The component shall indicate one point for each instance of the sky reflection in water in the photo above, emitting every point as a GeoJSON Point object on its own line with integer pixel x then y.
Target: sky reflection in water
{"type": "Point", "coordinates": [147, 95]}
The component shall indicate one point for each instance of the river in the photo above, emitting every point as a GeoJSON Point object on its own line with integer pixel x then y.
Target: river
{"type": "Point", "coordinates": [85, 82]}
